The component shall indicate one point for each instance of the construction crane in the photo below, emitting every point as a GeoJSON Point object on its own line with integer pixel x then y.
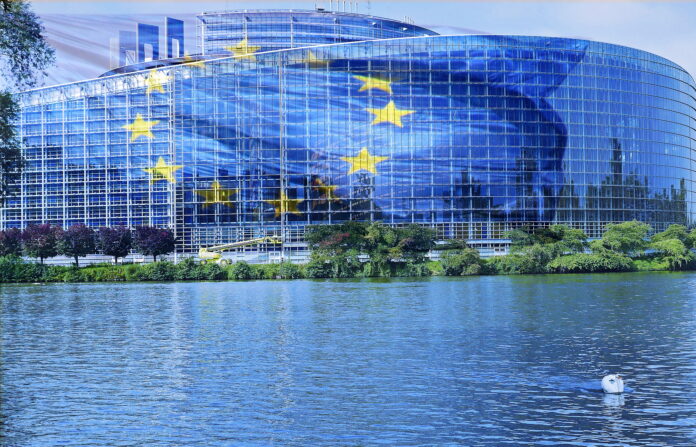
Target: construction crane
{"type": "Point", "coordinates": [214, 254]}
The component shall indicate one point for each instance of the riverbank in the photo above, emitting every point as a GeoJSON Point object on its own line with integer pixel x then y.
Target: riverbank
{"type": "Point", "coordinates": [359, 250]}
{"type": "Point", "coordinates": [16, 270]}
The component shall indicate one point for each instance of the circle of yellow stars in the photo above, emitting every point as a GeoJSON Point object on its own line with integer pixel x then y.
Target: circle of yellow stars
{"type": "Point", "coordinates": [363, 161]}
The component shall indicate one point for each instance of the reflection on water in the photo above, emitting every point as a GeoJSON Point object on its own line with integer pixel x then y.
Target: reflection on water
{"type": "Point", "coordinates": [485, 361]}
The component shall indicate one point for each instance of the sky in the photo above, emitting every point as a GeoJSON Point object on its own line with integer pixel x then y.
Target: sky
{"type": "Point", "coordinates": [80, 30]}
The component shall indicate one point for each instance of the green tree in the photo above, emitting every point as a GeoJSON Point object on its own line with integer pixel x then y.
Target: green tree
{"type": "Point", "coordinates": [690, 241]}
{"type": "Point", "coordinates": [24, 54]}
{"type": "Point", "coordinates": [674, 252]}
{"type": "Point", "coordinates": [462, 262]}
{"type": "Point", "coordinates": [673, 232]}
{"type": "Point", "coordinates": [556, 239]}
{"type": "Point", "coordinates": [629, 238]}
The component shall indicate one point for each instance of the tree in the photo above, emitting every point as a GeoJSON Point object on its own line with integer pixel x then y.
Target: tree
{"type": "Point", "coordinates": [690, 241]}
{"type": "Point", "coordinates": [627, 237]}
{"type": "Point", "coordinates": [462, 262]}
{"type": "Point", "coordinates": [154, 242]}
{"type": "Point", "coordinates": [674, 252]}
{"type": "Point", "coordinates": [23, 53]}
{"type": "Point", "coordinates": [559, 239]}
{"type": "Point", "coordinates": [41, 241]}
{"type": "Point", "coordinates": [116, 242]}
{"type": "Point", "coordinates": [11, 242]}
{"type": "Point", "coordinates": [337, 238]}
{"type": "Point", "coordinates": [10, 154]}
{"type": "Point", "coordinates": [674, 231]}
{"type": "Point", "coordinates": [77, 241]}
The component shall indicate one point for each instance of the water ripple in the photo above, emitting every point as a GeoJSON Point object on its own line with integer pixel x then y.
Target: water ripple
{"type": "Point", "coordinates": [490, 361]}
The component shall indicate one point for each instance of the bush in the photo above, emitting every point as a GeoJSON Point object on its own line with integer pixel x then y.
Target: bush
{"type": "Point", "coordinates": [592, 263]}
{"type": "Point", "coordinates": [288, 270]}
{"type": "Point", "coordinates": [131, 272]}
{"type": "Point", "coordinates": [319, 267]}
{"type": "Point", "coordinates": [157, 271]}
{"type": "Point", "coordinates": [240, 271]}
{"type": "Point", "coordinates": [346, 265]}
{"type": "Point", "coordinates": [416, 269]}
{"type": "Point", "coordinates": [675, 252]}
{"type": "Point", "coordinates": [266, 271]}
{"type": "Point", "coordinates": [14, 269]}
{"type": "Point", "coordinates": [213, 272]}
{"type": "Point", "coordinates": [505, 265]}
{"type": "Point", "coordinates": [462, 262]}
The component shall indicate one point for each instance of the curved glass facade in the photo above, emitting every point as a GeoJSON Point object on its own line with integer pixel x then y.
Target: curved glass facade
{"type": "Point", "coordinates": [474, 135]}
{"type": "Point", "coordinates": [278, 30]}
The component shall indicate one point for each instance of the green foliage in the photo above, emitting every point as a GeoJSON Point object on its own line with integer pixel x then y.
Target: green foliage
{"type": "Point", "coordinates": [651, 263]}
{"type": "Point", "coordinates": [266, 271]}
{"type": "Point", "coordinates": [462, 263]}
{"type": "Point", "coordinates": [505, 265]}
{"type": "Point", "coordinates": [157, 271]}
{"type": "Point", "coordinates": [23, 53]}
{"type": "Point", "coordinates": [190, 270]}
{"type": "Point", "coordinates": [336, 239]}
{"type": "Point", "coordinates": [240, 271]}
{"type": "Point", "coordinates": [674, 252]}
{"type": "Point", "coordinates": [678, 232]}
{"type": "Point", "coordinates": [592, 263]}
{"type": "Point", "coordinates": [23, 49]}
{"type": "Point", "coordinates": [14, 269]}
{"type": "Point", "coordinates": [435, 268]}
{"type": "Point", "coordinates": [11, 162]}
{"type": "Point", "coordinates": [690, 241]}
{"type": "Point", "coordinates": [415, 269]}
{"type": "Point", "coordinates": [319, 267]}
{"type": "Point", "coordinates": [526, 260]}
{"type": "Point", "coordinates": [288, 270]}
{"type": "Point", "coordinates": [629, 238]}
{"type": "Point", "coordinates": [324, 266]}
{"type": "Point", "coordinates": [557, 239]}
{"type": "Point", "coordinates": [451, 244]}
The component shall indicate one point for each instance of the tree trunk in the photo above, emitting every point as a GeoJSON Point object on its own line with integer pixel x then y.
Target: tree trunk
{"type": "Point", "coordinates": [154, 257]}
{"type": "Point", "coordinates": [41, 260]}
{"type": "Point", "coordinates": [77, 262]}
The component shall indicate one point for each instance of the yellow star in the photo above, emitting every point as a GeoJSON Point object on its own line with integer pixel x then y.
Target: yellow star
{"type": "Point", "coordinates": [364, 161]}
{"type": "Point", "coordinates": [327, 191]}
{"type": "Point", "coordinates": [216, 195]}
{"type": "Point", "coordinates": [163, 171]}
{"type": "Point", "coordinates": [315, 62]}
{"type": "Point", "coordinates": [140, 128]}
{"type": "Point", "coordinates": [243, 50]}
{"type": "Point", "coordinates": [370, 83]}
{"type": "Point", "coordinates": [155, 81]}
{"type": "Point", "coordinates": [389, 114]}
{"type": "Point", "coordinates": [191, 62]}
{"type": "Point", "coordinates": [285, 205]}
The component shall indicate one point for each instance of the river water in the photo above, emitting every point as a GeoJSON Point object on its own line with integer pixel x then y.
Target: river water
{"type": "Point", "coordinates": [481, 361]}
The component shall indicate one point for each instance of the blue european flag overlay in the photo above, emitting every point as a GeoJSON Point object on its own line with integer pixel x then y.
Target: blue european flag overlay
{"type": "Point", "coordinates": [397, 139]}
{"type": "Point", "coordinates": [285, 122]}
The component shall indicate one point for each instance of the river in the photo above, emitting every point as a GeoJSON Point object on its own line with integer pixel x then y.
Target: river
{"type": "Point", "coordinates": [480, 361]}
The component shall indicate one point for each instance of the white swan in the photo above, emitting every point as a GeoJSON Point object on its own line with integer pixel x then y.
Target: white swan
{"type": "Point", "coordinates": [613, 384]}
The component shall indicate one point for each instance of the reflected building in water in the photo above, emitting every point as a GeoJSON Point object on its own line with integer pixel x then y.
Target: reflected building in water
{"type": "Point", "coordinates": [284, 119]}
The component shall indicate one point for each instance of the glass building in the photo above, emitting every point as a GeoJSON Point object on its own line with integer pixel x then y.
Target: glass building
{"type": "Point", "coordinates": [291, 118]}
